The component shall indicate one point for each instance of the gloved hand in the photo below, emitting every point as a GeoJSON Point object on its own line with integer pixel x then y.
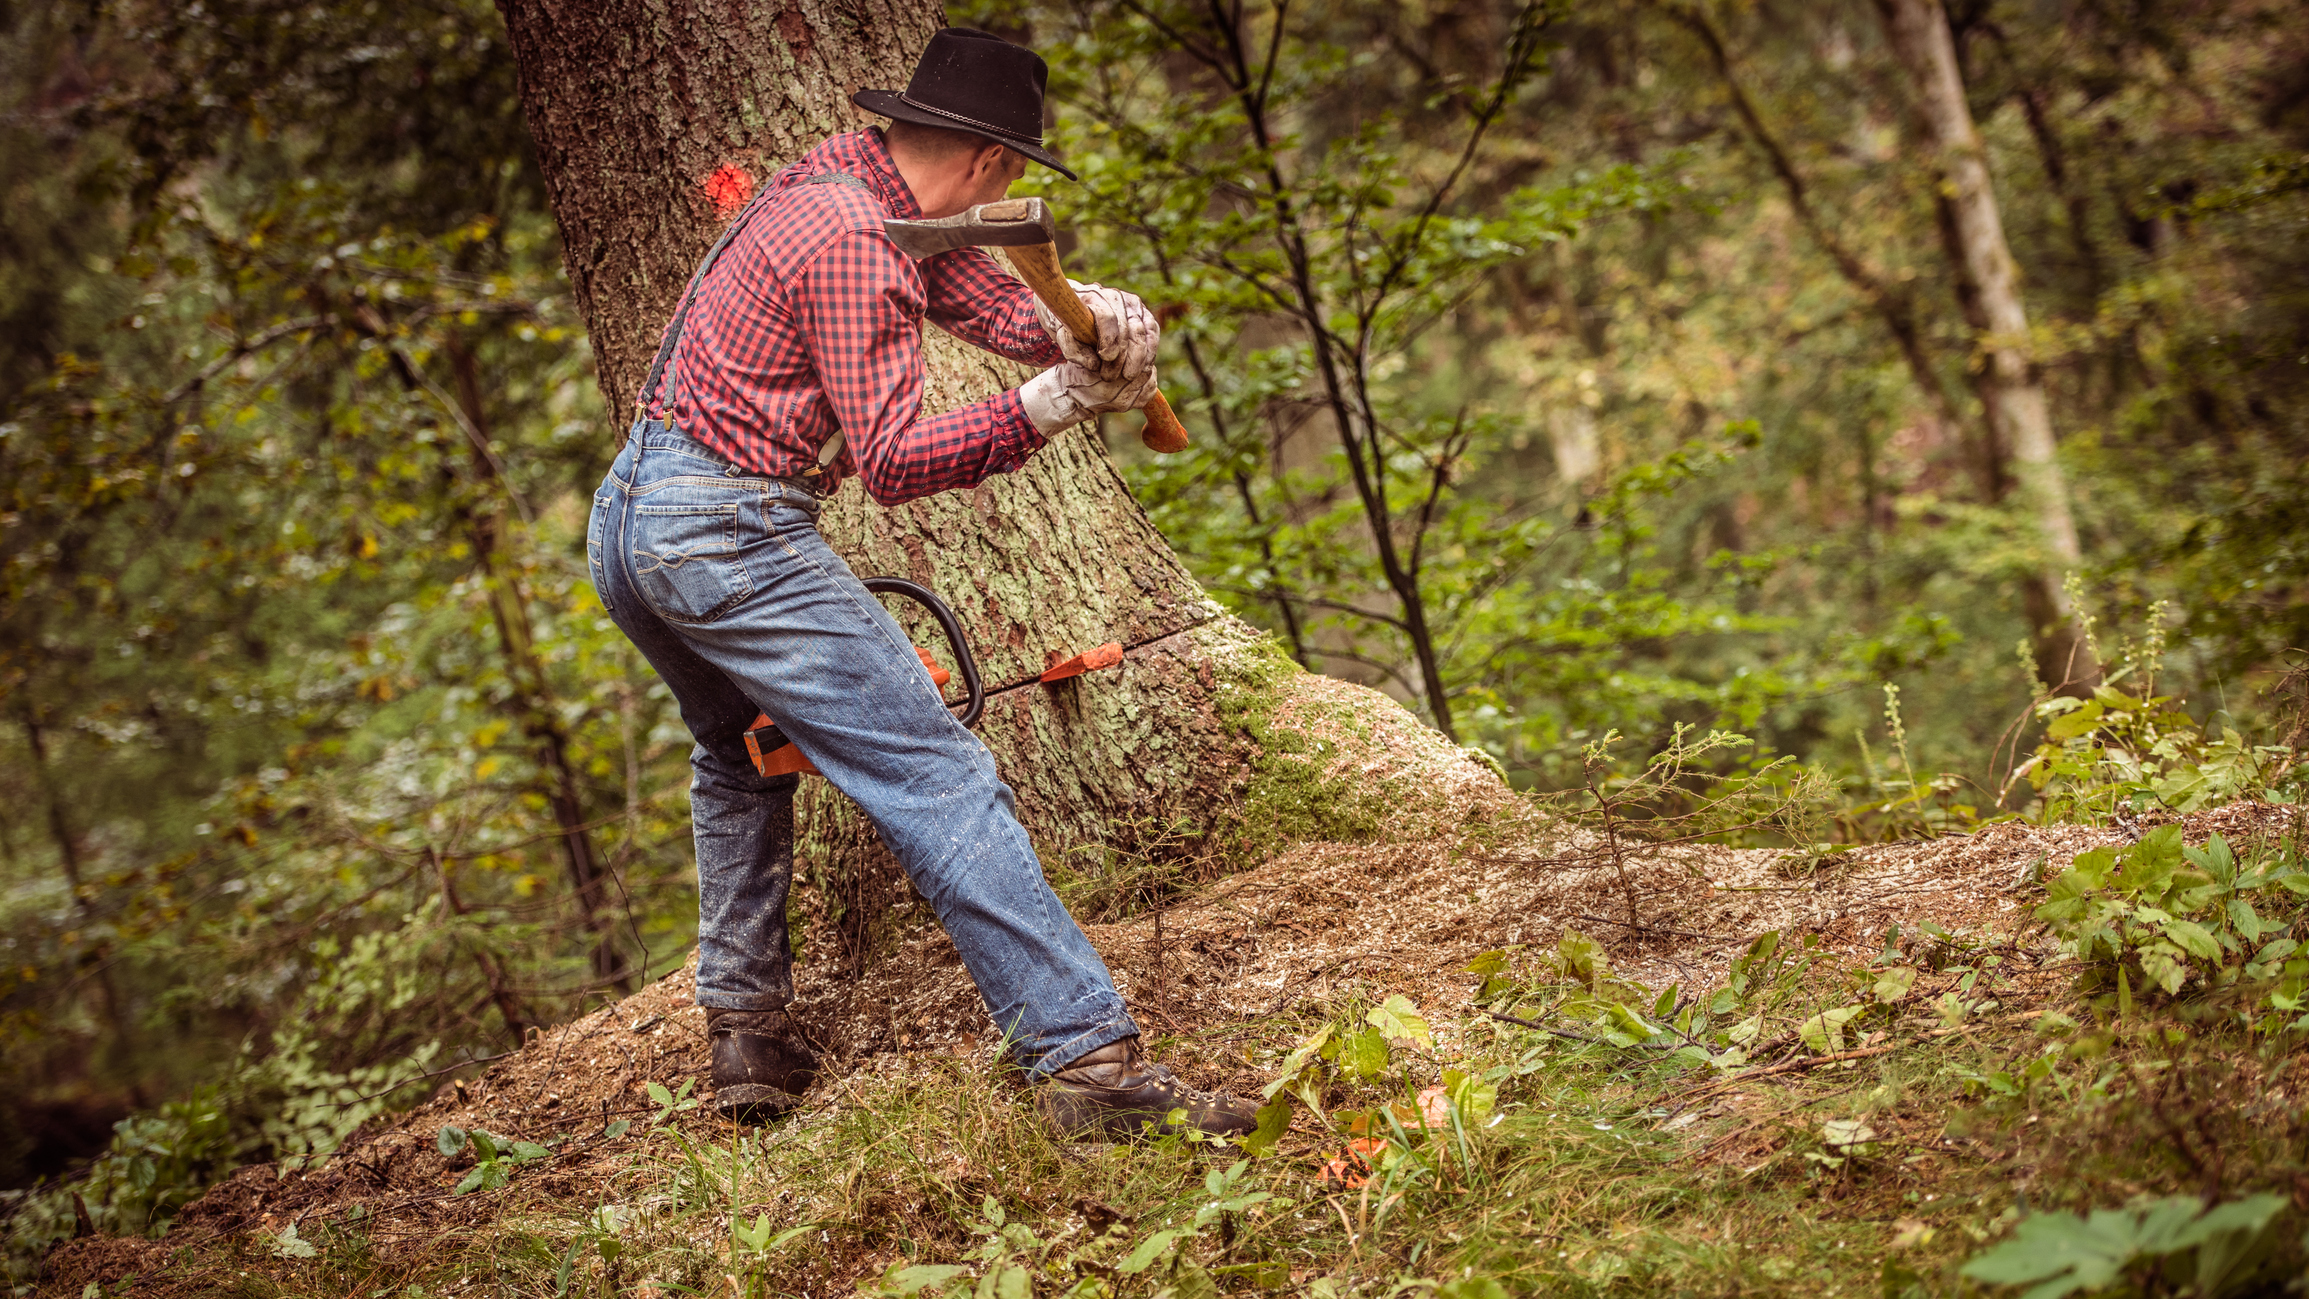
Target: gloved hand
{"type": "Point", "coordinates": [1067, 394]}
{"type": "Point", "coordinates": [1127, 332]}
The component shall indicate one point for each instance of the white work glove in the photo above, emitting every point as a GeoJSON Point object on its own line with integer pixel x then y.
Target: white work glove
{"type": "Point", "coordinates": [1119, 374]}
{"type": "Point", "coordinates": [1067, 394]}
{"type": "Point", "coordinates": [1127, 332]}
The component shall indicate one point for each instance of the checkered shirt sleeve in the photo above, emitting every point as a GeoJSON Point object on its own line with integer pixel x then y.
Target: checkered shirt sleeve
{"type": "Point", "coordinates": [858, 307]}
{"type": "Point", "coordinates": [974, 299]}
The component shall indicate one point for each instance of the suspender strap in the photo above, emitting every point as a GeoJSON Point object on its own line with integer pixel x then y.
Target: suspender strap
{"type": "Point", "coordinates": [665, 347]}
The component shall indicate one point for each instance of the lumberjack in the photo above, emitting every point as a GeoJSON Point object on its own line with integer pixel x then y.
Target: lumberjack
{"type": "Point", "coordinates": [793, 363]}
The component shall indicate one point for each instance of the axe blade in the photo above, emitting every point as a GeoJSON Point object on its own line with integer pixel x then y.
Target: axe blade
{"type": "Point", "coordinates": [1010, 223]}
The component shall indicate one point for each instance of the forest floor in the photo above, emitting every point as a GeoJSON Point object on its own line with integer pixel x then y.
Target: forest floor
{"type": "Point", "coordinates": [1600, 1167]}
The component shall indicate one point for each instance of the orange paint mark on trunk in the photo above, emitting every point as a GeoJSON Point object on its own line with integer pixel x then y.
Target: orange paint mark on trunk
{"type": "Point", "coordinates": [728, 189]}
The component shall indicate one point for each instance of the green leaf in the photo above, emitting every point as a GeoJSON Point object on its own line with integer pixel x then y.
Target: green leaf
{"type": "Point", "coordinates": [1477, 1287]}
{"type": "Point", "coordinates": [2192, 938]}
{"type": "Point", "coordinates": [2247, 922]}
{"type": "Point", "coordinates": [910, 1280]}
{"type": "Point", "coordinates": [1398, 1017]}
{"type": "Point", "coordinates": [472, 1180]}
{"type": "Point", "coordinates": [1147, 1251]}
{"type": "Point", "coordinates": [568, 1264]}
{"type": "Point", "coordinates": [1274, 1121]}
{"type": "Point", "coordinates": [2071, 725]}
{"type": "Point", "coordinates": [2231, 1240]}
{"type": "Point", "coordinates": [618, 1129]}
{"type": "Point", "coordinates": [1474, 1097]}
{"type": "Point", "coordinates": [1297, 1061]}
{"type": "Point", "coordinates": [1488, 964]}
{"type": "Point", "coordinates": [1824, 1032]}
{"type": "Point", "coordinates": [1582, 957]}
{"type": "Point", "coordinates": [1893, 984]}
{"type": "Point", "coordinates": [2187, 787]}
{"type": "Point", "coordinates": [2149, 864]}
{"type": "Point", "coordinates": [1629, 1024]}
{"type": "Point", "coordinates": [1665, 1004]}
{"type": "Point", "coordinates": [2190, 890]}
{"type": "Point", "coordinates": [450, 1140]}
{"type": "Point", "coordinates": [288, 1244]}
{"type": "Point", "coordinates": [1012, 1282]}
{"type": "Point", "coordinates": [2069, 891]}
{"type": "Point", "coordinates": [2215, 859]}
{"type": "Point", "coordinates": [1188, 1281]}
{"type": "Point", "coordinates": [2063, 1253]}
{"type": "Point", "coordinates": [1363, 1053]}
{"type": "Point", "coordinates": [2162, 964]}
{"type": "Point", "coordinates": [484, 1146]}
{"type": "Point", "coordinates": [659, 1094]}
{"type": "Point", "coordinates": [2061, 1250]}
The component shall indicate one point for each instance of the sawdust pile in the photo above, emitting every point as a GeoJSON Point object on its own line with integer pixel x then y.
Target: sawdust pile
{"type": "Point", "coordinates": [1320, 921]}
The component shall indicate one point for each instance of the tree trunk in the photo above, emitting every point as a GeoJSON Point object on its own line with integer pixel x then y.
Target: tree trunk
{"type": "Point", "coordinates": [634, 104]}
{"type": "Point", "coordinates": [531, 701]}
{"type": "Point", "coordinates": [2019, 417]}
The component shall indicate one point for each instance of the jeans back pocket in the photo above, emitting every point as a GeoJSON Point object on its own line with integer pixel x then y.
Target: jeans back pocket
{"type": "Point", "coordinates": [686, 563]}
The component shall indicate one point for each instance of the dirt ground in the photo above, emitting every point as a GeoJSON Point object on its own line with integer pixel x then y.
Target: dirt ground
{"type": "Point", "coordinates": [1204, 972]}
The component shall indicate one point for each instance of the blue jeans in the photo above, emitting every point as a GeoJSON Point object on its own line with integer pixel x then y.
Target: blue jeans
{"type": "Point", "coordinates": [722, 581]}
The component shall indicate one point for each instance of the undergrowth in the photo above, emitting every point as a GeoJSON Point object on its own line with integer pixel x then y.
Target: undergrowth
{"type": "Point", "coordinates": [1960, 1112]}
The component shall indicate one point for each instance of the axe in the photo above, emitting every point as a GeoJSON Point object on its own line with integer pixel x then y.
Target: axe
{"type": "Point", "coordinates": [1023, 228]}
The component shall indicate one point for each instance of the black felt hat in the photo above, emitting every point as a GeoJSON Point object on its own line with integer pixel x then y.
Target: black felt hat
{"type": "Point", "coordinates": [969, 80]}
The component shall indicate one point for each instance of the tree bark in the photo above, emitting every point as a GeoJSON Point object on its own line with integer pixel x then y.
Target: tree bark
{"type": "Point", "coordinates": [2019, 417]}
{"type": "Point", "coordinates": [634, 104]}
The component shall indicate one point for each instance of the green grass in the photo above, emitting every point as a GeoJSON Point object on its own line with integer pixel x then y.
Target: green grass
{"type": "Point", "coordinates": [1573, 1192]}
{"type": "Point", "coordinates": [1999, 1084]}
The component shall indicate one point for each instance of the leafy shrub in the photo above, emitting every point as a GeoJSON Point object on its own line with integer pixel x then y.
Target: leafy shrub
{"type": "Point", "coordinates": [2113, 751]}
{"type": "Point", "coordinates": [2165, 1246]}
{"type": "Point", "coordinates": [2161, 915]}
{"type": "Point", "coordinates": [157, 1163]}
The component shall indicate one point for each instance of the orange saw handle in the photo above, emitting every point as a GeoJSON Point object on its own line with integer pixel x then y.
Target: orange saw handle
{"type": "Point", "coordinates": [1037, 264]}
{"type": "Point", "coordinates": [775, 755]}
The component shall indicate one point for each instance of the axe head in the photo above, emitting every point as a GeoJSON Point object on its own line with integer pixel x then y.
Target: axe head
{"type": "Point", "coordinates": [1010, 223]}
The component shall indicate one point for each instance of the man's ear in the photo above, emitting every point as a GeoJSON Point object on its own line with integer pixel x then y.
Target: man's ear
{"type": "Point", "coordinates": [988, 162]}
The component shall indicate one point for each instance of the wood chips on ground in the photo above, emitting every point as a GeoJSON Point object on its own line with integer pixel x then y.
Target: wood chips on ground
{"type": "Point", "coordinates": [1318, 922]}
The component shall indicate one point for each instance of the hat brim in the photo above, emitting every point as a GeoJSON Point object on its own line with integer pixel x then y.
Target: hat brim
{"type": "Point", "coordinates": [886, 103]}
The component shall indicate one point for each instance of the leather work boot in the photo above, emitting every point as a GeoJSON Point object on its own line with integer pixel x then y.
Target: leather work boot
{"type": "Point", "coordinates": [761, 1066]}
{"type": "Point", "coordinates": [1116, 1092]}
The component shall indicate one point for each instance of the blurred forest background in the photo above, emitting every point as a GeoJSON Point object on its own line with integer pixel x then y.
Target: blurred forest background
{"type": "Point", "coordinates": [1562, 370]}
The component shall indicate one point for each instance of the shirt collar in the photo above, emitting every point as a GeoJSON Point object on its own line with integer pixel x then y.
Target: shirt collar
{"type": "Point", "coordinates": [879, 170]}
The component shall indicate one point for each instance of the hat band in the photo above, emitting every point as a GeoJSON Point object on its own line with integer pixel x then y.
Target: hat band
{"type": "Point", "coordinates": [989, 127]}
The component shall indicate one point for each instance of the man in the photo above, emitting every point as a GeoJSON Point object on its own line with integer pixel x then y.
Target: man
{"type": "Point", "coordinates": [793, 364]}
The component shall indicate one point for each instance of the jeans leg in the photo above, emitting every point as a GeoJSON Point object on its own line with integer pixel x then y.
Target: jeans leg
{"type": "Point", "coordinates": [742, 824]}
{"type": "Point", "coordinates": [744, 829]}
{"type": "Point", "coordinates": [746, 584]}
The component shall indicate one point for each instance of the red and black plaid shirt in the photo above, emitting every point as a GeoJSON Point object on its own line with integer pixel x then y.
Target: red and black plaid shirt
{"type": "Point", "coordinates": [811, 322]}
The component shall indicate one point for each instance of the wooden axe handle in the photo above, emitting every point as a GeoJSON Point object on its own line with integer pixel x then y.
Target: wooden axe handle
{"type": "Point", "coordinates": [1038, 265]}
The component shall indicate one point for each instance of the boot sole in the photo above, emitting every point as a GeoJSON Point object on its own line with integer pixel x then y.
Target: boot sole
{"type": "Point", "coordinates": [753, 1103]}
